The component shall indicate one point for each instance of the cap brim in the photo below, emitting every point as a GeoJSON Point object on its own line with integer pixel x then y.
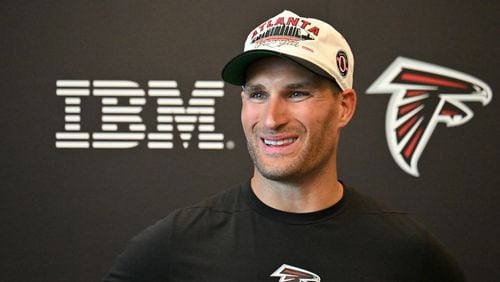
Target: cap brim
{"type": "Point", "coordinates": [234, 71]}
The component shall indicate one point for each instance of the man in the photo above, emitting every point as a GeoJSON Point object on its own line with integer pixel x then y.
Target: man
{"type": "Point", "coordinates": [294, 220]}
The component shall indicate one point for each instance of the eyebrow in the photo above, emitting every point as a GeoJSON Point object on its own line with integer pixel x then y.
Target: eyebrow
{"type": "Point", "coordinates": [254, 87]}
{"type": "Point", "coordinates": [290, 86]}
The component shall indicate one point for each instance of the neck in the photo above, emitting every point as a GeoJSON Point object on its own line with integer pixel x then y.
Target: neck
{"type": "Point", "coordinates": [298, 197]}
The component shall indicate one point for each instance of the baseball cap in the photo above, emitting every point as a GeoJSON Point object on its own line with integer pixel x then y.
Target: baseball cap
{"type": "Point", "coordinates": [312, 43]}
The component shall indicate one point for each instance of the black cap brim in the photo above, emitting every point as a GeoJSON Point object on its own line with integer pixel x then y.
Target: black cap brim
{"type": "Point", "coordinates": [234, 72]}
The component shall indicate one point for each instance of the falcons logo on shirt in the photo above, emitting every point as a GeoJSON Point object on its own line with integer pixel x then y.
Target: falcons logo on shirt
{"type": "Point", "coordinates": [288, 273]}
{"type": "Point", "coordinates": [424, 95]}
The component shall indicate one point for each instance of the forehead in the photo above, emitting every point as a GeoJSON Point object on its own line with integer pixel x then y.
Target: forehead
{"type": "Point", "coordinates": [276, 69]}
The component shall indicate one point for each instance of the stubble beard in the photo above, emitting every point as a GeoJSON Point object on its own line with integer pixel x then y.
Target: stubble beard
{"type": "Point", "coordinates": [308, 162]}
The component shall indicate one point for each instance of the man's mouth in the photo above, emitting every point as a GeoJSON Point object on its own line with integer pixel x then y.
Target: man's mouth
{"type": "Point", "coordinates": [281, 142]}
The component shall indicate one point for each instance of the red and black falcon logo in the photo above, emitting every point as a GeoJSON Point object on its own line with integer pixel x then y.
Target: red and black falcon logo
{"type": "Point", "coordinates": [424, 95]}
{"type": "Point", "coordinates": [288, 273]}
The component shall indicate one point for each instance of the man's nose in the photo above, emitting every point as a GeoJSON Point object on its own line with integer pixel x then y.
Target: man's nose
{"type": "Point", "coordinates": [275, 113]}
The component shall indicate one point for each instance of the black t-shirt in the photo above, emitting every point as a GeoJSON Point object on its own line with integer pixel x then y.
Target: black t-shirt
{"type": "Point", "coordinates": [233, 236]}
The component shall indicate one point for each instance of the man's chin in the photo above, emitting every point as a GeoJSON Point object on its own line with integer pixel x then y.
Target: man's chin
{"type": "Point", "coordinates": [277, 174]}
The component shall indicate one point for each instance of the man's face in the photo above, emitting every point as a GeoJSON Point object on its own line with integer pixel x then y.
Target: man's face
{"type": "Point", "coordinates": [290, 117]}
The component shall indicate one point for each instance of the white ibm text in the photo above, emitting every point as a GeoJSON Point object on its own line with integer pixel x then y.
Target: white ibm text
{"type": "Point", "coordinates": [171, 115]}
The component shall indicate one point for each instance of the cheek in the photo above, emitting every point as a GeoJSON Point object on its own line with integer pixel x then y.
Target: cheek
{"type": "Point", "coordinates": [325, 123]}
{"type": "Point", "coordinates": [248, 117]}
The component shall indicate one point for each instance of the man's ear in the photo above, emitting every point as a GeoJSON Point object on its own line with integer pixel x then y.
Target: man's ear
{"type": "Point", "coordinates": [348, 101]}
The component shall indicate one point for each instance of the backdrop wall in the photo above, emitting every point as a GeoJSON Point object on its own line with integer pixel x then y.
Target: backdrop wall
{"type": "Point", "coordinates": [113, 114]}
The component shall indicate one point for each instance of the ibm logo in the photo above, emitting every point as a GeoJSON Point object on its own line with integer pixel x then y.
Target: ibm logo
{"type": "Point", "coordinates": [122, 103]}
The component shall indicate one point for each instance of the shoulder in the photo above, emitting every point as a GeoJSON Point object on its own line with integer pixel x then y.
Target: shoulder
{"type": "Point", "coordinates": [402, 238]}
{"type": "Point", "coordinates": [360, 202]}
{"type": "Point", "coordinates": [150, 252]}
{"type": "Point", "coordinates": [203, 214]}
{"type": "Point", "coordinates": [382, 220]}
{"type": "Point", "coordinates": [226, 202]}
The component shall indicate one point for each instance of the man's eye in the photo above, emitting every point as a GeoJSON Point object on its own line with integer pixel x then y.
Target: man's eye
{"type": "Point", "coordinates": [257, 95]}
{"type": "Point", "coordinates": [297, 95]}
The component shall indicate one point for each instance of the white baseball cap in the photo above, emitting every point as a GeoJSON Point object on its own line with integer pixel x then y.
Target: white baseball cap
{"type": "Point", "coordinates": [312, 43]}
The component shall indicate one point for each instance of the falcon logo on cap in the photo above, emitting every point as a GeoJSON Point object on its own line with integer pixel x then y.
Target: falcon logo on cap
{"type": "Point", "coordinates": [424, 95]}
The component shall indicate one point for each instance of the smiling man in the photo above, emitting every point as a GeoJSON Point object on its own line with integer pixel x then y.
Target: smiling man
{"type": "Point", "coordinates": [292, 119]}
{"type": "Point", "coordinates": [293, 220]}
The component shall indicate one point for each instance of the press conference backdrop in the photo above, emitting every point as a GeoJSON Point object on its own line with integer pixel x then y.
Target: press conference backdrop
{"type": "Point", "coordinates": [113, 114]}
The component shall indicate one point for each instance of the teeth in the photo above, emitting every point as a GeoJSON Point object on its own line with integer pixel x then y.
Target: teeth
{"type": "Point", "coordinates": [279, 142]}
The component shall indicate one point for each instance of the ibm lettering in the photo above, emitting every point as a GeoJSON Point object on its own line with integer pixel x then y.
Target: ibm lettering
{"type": "Point", "coordinates": [172, 117]}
